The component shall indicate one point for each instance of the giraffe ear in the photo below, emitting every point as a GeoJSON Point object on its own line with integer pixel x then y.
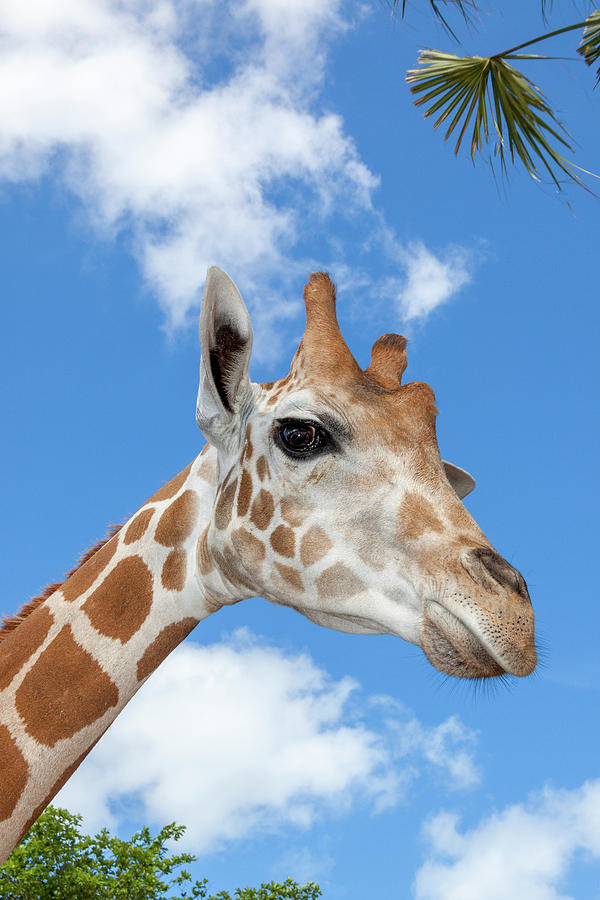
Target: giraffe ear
{"type": "Point", "coordinates": [461, 481]}
{"type": "Point", "coordinates": [225, 343]}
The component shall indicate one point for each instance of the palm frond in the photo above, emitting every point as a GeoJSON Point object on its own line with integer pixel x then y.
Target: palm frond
{"type": "Point", "coordinates": [547, 9]}
{"type": "Point", "coordinates": [441, 8]}
{"type": "Point", "coordinates": [499, 104]}
{"type": "Point", "coordinates": [590, 41]}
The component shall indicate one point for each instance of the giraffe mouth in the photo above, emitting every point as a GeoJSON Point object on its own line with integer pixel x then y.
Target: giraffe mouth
{"type": "Point", "coordinates": [453, 648]}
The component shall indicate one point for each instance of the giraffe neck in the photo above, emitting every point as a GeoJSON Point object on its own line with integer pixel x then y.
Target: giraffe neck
{"type": "Point", "coordinates": [68, 669]}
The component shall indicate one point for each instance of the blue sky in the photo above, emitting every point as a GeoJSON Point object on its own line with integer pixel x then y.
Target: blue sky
{"type": "Point", "coordinates": [142, 141]}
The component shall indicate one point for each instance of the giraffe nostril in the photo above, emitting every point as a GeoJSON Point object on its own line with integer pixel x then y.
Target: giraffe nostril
{"type": "Point", "coordinates": [500, 570]}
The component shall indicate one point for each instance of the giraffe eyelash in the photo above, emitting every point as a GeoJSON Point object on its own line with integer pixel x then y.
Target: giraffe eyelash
{"type": "Point", "coordinates": [288, 434]}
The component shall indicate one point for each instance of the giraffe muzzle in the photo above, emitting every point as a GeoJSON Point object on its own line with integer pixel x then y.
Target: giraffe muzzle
{"type": "Point", "coordinates": [484, 563]}
{"type": "Point", "coordinates": [476, 647]}
{"type": "Point", "coordinates": [484, 628]}
{"type": "Point", "coordinates": [453, 648]}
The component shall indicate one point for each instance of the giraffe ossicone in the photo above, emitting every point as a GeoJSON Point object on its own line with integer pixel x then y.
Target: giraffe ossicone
{"type": "Point", "coordinates": [324, 491]}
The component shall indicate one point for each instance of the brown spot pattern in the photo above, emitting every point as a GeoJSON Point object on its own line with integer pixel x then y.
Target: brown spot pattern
{"type": "Point", "coordinates": [283, 540]}
{"type": "Point", "coordinates": [34, 817]}
{"type": "Point", "coordinates": [245, 494]}
{"type": "Point", "coordinates": [14, 770]}
{"type": "Point", "coordinates": [248, 449]}
{"type": "Point", "coordinates": [314, 545]}
{"type": "Point", "coordinates": [365, 554]}
{"type": "Point", "coordinates": [119, 606]}
{"type": "Point", "coordinates": [249, 547]}
{"type": "Point", "coordinates": [163, 644]}
{"type": "Point", "coordinates": [178, 520]}
{"type": "Point", "coordinates": [459, 517]}
{"type": "Point", "coordinates": [205, 563]}
{"type": "Point", "coordinates": [290, 575]}
{"type": "Point", "coordinates": [9, 623]}
{"type": "Point", "coordinates": [169, 489]}
{"type": "Point", "coordinates": [20, 644]}
{"type": "Point", "coordinates": [262, 468]}
{"type": "Point", "coordinates": [224, 507]}
{"type": "Point", "coordinates": [229, 566]}
{"type": "Point", "coordinates": [137, 527]}
{"type": "Point", "coordinates": [60, 782]}
{"type": "Point", "coordinates": [64, 691]}
{"type": "Point", "coordinates": [417, 517]}
{"type": "Point", "coordinates": [262, 509]}
{"type": "Point", "coordinates": [84, 577]}
{"type": "Point", "coordinates": [339, 581]}
{"type": "Point", "coordinates": [174, 571]}
{"type": "Point", "coordinates": [291, 512]}
{"type": "Point", "coordinates": [227, 478]}
{"type": "Point", "coordinates": [207, 470]}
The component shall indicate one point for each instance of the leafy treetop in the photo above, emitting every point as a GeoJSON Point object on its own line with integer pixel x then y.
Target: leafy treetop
{"type": "Point", "coordinates": [55, 861]}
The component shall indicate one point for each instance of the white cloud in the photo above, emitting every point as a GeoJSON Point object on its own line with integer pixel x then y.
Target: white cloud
{"type": "Point", "coordinates": [448, 747]}
{"type": "Point", "coordinates": [431, 280]}
{"type": "Point", "coordinates": [303, 865]}
{"type": "Point", "coordinates": [525, 850]}
{"type": "Point", "coordinates": [199, 128]}
{"type": "Point", "coordinates": [235, 738]}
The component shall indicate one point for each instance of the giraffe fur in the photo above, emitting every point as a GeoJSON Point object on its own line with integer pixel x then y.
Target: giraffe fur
{"type": "Point", "coordinates": [324, 491]}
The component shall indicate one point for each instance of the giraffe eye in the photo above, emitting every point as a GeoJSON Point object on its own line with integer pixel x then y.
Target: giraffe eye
{"type": "Point", "coordinates": [300, 438]}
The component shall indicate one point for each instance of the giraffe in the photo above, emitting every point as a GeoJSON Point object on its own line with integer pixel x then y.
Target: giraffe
{"type": "Point", "coordinates": [323, 491]}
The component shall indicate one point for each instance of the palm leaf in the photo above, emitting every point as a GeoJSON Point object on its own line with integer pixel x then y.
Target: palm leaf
{"type": "Point", "coordinates": [547, 9]}
{"type": "Point", "coordinates": [440, 7]}
{"type": "Point", "coordinates": [499, 104]}
{"type": "Point", "coordinates": [590, 41]}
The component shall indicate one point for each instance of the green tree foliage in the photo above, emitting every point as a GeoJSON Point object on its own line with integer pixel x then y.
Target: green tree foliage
{"type": "Point", "coordinates": [491, 102]}
{"type": "Point", "coordinates": [55, 861]}
{"type": "Point", "coordinates": [274, 890]}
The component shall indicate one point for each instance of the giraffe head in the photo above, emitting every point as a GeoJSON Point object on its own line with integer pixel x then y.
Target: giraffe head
{"type": "Point", "coordinates": [333, 499]}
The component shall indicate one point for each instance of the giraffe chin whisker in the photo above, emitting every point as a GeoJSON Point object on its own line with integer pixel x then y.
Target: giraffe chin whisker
{"type": "Point", "coordinates": [452, 647]}
{"type": "Point", "coordinates": [324, 491]}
